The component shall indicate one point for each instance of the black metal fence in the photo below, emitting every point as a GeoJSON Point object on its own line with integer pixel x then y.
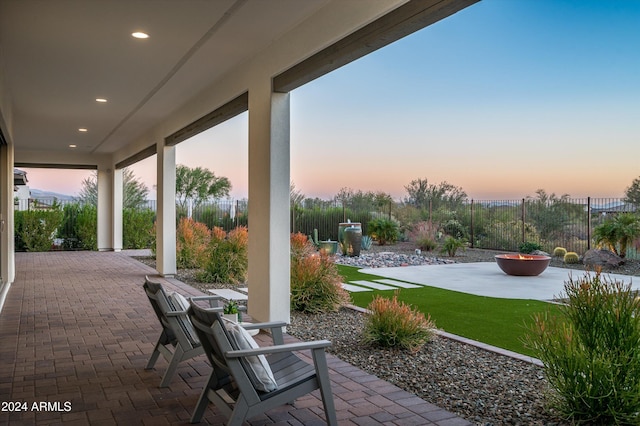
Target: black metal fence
{"type": "Point", "coordinates": [491, 224]}
{"type": "Point", "coordinates": [506, 224]}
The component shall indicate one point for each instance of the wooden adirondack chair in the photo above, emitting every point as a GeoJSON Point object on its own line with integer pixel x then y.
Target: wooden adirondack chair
{"type": "Point", "coordinates": [178, 340]}
{"type": "Point", "coordinates": [238, 384]}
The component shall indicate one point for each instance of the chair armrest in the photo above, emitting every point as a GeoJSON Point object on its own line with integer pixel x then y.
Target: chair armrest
{"type": "Point", "coordinates": [176, 314]}
{"type": "Point", "coordinates": [289, 347]}
{"type": "Point", "coordinates": [211, 299]}
{"type": "Point", "coordinates": [275, 327]}
{"type": "Point", "coordinates": [260, 325]}
{"type": "Point", "coordinates": [184, 313]}
{"type": "Point", "coordinates": [206, 298]}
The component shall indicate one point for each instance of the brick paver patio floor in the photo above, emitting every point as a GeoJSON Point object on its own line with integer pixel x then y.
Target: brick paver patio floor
{"type": "Point", "coordinates": [77, 330]}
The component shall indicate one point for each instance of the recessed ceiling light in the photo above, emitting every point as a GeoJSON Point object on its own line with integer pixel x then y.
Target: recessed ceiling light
{"type": "Point", "coordinates": [140, 34]}
{"type": "Point", "coordinates": [73, 146]}
{"type": "Point", "coordinates": [101, 100]}
{"type": "Point", "coordinates": [82, 129]}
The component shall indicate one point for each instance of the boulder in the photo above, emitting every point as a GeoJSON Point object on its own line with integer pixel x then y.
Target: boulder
{"type": "Point", "coordinates": [540, 253]}
{"type": "Point", "coordinates": [600, 258]}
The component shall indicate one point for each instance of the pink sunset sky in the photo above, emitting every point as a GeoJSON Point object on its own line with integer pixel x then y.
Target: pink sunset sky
{"type": "Point", "coordinates": [501, 99]}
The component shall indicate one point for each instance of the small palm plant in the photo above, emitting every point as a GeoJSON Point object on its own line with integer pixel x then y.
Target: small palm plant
{"type": "Point", "coordinates": [618, 232]}
{"type": "Point", "coordinates": [452, 244]}
{"type": "Point", "coordinates": [384, 230]}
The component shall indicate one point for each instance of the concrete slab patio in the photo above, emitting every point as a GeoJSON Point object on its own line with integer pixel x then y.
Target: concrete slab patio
{"type": "Point", "coordinates": [486, 279]}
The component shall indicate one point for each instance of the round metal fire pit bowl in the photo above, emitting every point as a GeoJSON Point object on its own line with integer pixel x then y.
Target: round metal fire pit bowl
{"type": "Point", "coordinates": [523, 265]}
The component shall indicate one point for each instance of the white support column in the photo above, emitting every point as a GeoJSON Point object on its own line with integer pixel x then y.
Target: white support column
{"type": "Point", "coordinates": [117, 203]}
{"type": "Point", "coordinates": [105, 187]}
{"type": "Point", "coordinates": [269, 234]}
{"type": "Point", "coordinates": [166, 211]}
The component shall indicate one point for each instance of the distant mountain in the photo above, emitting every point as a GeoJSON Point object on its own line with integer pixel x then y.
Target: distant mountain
{"type": "Point", "coordinates": [38, 193]}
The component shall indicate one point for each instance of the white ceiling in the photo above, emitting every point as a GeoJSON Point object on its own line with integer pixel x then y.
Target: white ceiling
{"type": "Point", "coordinates": [60, 55]}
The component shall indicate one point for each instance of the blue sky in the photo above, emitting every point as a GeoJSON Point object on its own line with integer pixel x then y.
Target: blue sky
{"type": "Point", "coordinates": [501, 99]}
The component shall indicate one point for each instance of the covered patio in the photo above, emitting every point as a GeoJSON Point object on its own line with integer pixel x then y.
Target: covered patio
{"type": "Point", "coordinates": [78, 330]}
{"type": "Point", "coordinates": [82, 91]}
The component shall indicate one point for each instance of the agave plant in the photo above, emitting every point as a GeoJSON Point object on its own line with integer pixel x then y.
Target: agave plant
{"type": "Point", "coordinates": [366, 242]}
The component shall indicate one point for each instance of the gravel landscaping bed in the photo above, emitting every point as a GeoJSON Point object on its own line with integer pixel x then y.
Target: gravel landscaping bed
{"type": "Point", "coordinates": [483, 387]}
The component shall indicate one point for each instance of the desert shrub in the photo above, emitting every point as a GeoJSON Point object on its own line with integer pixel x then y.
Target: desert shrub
{"type": "Point", "coordinates": [396, 324]}
{"type": "Point", "coordinates": [559, 251]}
{"type": "Point", "coordinates": [424, 234]}
{"type": "Point", "coordinates": [426, 244]}
{"type": "Point", "coordinates": [454, 228]}
{"type": "Point", "coordinates": [38, 228]}
{"type": "Point", "coordinates": [408, 215]}
{"type": "Point", "coordinates": [316, 285]}
{"type": "Point", "coordinates": [17, 223]}
{"type": "Point", "coordinates": [571, 257]}
{"type": "Point", "coordinates": [506, 235]}
{"type": "Point", "coordinates": [452, 244]}
{"type": "Point", "coordinates": [227, 258]}
{"type": "Point", "coordinates": [68, 231]}
{"type": "Point", "coordinates": [591, 352]}
{"type": "Point", "coordinates": [137, 226]}
{"type": "Point", "coordinates": [384, 230]}
{"type": "Point", "coordinates": [87, 226]}
{"type": "Point", "coordinates": [529, 247]}
{"type": "Point", "coordinates": [192, 240]}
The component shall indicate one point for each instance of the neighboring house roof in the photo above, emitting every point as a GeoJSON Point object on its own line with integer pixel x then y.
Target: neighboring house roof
{"type": "Point", "coordinates": [615, 207]}
{"type": "Point", "coordinates": [19, 177]}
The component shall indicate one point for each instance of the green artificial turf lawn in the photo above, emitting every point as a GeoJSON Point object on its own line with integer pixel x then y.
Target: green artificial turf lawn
{"type": "Point", "coordinates": [498, 322]}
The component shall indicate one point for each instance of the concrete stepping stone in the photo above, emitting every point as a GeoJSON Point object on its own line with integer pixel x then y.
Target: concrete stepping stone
{"type": "Point", "coordinates": [401, 284]}
{"type": "Point", "coordinates": [354, 288]}
{"type": "Point", "coordinates": [371, 284]}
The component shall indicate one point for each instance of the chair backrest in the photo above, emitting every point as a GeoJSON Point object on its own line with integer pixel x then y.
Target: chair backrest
{"type": "Point", "coordinates": [178, 327]}
{"type": "Point", "coordinates": [250, 372]}
{"type": "Point", "coordinates": [154, 292]}
{"type": "Point", "coordinates": [203, 321]}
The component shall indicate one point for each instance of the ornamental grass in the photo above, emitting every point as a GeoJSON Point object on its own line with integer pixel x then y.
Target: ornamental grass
{"type": "Point", "coordinates": [227, 260]}
{"type": "Point", "coordinates": [395, 324]}
{"type": "Point", "coordinates": [192, 239]}
{"type": "Point", "coordinates": [316, 285]}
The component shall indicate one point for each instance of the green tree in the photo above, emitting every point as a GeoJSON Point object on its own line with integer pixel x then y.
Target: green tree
{"type": "Point", "coordinates": [363, 201]}
{"type": "Point", "coordinates": [199, 184]}
{"type": "Point", "coordinates": [134, 191]}
{"type": "Point", "coordinates": [296, 196]}
{"type": "Point", "coordinates": [632, 193]}
{"type": "Point", "coordinates": [551, 214]}
{"type": "Point", "coordinates": [423, 195]}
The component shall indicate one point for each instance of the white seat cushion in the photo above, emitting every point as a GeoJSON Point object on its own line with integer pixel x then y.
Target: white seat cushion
{"type": "Point", "coordinates": [260, 372]}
